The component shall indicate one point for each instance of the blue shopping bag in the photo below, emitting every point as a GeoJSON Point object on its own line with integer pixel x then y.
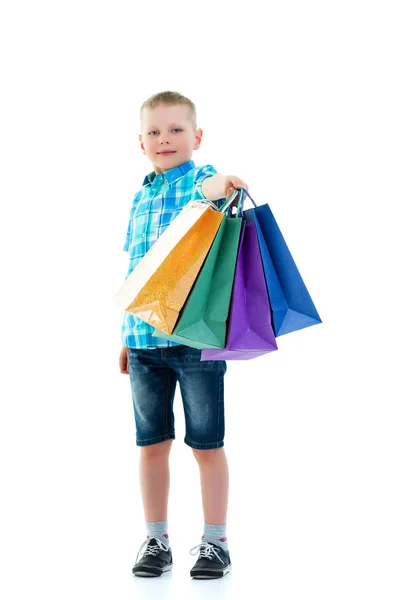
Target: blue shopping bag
{"type": "Point", "coordinates": [291, 305]}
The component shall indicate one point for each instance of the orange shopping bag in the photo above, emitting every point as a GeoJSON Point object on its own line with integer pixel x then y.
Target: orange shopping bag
{"type": "Point", "coordinates": [158, 286]}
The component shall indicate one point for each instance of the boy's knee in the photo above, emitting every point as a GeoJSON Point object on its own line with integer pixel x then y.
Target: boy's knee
{"type": "Point", "coordinates": [159, 449]}
{"type": "Point", "coordinates": [205, 455]}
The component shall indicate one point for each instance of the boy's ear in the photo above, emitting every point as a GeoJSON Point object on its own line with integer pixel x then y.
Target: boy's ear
{"type": "Point", "coordinates": [199, 135]}
{"type": "Point", "coordinates": [140, 141]}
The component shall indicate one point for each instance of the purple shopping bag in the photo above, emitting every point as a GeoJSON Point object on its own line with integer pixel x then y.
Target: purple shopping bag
{"type": "Point", "coordinates": [250, 331]}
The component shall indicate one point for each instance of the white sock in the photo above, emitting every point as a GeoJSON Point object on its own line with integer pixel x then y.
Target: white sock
{"type": "Point", "coordinates": [158, 529]}
{"type": "Point", "coordinates": [215, 534]}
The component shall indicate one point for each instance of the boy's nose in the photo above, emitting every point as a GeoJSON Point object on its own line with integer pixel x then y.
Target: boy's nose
{"type": "Point", "coordinates": [164, 137]}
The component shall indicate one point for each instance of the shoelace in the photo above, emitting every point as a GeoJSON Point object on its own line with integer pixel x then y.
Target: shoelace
{"type": "Point", "coordinates": [207, 551]}
{"type": "Point", "coordinates": [152, 550]}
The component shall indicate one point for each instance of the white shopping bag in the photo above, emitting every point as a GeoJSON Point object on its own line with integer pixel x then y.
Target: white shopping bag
{"type": "Point", "coordinates": [158, 286]}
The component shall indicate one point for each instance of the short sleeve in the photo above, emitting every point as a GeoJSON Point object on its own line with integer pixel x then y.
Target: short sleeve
{"type": "Point", "coordinates": [200, 176]}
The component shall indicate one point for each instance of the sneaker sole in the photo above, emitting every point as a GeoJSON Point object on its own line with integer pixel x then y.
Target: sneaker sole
{"type": "Point", "coordinates": [152, 573]}
{"type": "Point", "coordinates": [208, 574]}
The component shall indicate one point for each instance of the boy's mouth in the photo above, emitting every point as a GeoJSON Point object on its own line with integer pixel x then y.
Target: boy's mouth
{"type": "Point", "coordinates": [167, 152]}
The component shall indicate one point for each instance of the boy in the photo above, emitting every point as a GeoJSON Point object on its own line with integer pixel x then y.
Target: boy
{"type": "Point", "coordinates": [169, 136]}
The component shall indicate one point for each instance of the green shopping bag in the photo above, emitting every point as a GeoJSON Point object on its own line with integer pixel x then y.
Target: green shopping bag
{"type": "Point", "coordinates": [203, 320]}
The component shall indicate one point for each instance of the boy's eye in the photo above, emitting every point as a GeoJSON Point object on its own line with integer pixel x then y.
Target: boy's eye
{"type": "Point", "coordinates": [176, 129]}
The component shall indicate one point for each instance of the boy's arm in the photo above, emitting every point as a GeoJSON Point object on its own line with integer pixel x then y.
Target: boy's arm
{"type": "Point", "coordinates": [221, 186]}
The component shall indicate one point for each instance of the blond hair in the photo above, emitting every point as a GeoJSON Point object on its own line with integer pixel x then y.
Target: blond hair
{"type": "Point", "coordinates": [170, 99]}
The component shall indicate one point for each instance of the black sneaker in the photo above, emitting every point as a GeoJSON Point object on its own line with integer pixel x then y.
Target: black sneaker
{"type": "Point", "coordinates": [212, 563]}
{"type": "Point", "coordinates": [156, 560]}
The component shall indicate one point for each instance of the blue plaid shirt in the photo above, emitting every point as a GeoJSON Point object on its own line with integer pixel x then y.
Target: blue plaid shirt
{"type": "Point", "coordinates": [154, 207]}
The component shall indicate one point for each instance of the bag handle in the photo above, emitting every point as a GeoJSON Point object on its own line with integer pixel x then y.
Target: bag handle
{"type": "Point", "coordinates": [227, 203]}
{"type": "Point", "coordinates": [239, 207]}
{"type": "Point", "coordinates": [223, 208]}
{"type": "Point", "coordinates": [206, 201]}
{"type": "Point", "coordinates": [242, 198]}
{"type": "Point", "coordinates": [243, 191]}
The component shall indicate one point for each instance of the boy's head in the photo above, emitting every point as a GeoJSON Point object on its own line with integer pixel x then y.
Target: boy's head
{"type": "Point", "coordinates": [168, 123]}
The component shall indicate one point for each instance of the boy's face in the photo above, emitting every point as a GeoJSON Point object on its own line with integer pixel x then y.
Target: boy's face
{"type": "Point", "coordinates": [168, 128]}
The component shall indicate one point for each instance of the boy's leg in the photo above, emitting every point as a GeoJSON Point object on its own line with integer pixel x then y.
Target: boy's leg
{"type": "Point", "coordinates": [154, 484]}
{"type": "Point", "coordinates": [202, 389]}
{"type": "Point", "coordinates": [153, 385]}
{"type": "Point", "coordinates": [155, 480]}
{"type": "Point", "coordinates": [214, 478]}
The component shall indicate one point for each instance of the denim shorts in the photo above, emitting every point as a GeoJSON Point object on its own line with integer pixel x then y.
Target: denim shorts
{"type": "Point", "coordinates": [153, 375]}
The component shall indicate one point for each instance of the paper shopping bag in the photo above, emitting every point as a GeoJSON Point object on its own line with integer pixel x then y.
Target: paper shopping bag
{"type": "Point", "coordinates": [250, 332]}
{"type": "Point", "coordinates": [291, 304]}
{"type": "Point", "coordinates": [203, 320]}
{"type": "Point", "coordinates": [158, 286]}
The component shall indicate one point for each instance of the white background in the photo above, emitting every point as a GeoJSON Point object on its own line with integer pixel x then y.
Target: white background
{"type": "Point", "coordinates": [299, 99]}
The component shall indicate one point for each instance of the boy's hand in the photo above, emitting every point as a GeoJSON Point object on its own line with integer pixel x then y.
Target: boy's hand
{"type": "Point", "coordinates": [123, 361]}
{"type": "Point", "coordinates": [232, 182]}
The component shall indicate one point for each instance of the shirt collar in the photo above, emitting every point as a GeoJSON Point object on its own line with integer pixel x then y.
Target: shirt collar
{"type": "Point", "coordinates": [169, 175]}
